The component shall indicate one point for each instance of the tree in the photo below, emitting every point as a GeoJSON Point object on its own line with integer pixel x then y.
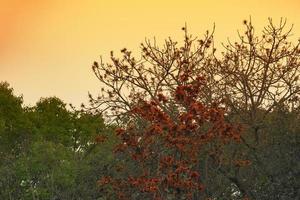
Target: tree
{"type": "Point", "coordinates": [243, 85]}
{"type": "Point", "coordinates": [257, 76]}
{"type": "Point", "coordinates": [53, 121]}
{"type": "Point", "coordinates": [15, 137]}
{"type": "Point", "coordinates": [14, 127]}
{"type": "Point", "coordinates": [67, 138]}
{"type": "Point", "coordinates": [47, 171]}
{"type": "Point", "coordinates": [49, 151]}
{"type": "Point", "coordinates": [168, 126]}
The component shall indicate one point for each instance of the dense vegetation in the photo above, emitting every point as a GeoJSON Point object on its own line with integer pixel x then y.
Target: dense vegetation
{"type": "Point", "coordinates": [183, 122]}
{"type": "Point", "coordinates": [48, 151]}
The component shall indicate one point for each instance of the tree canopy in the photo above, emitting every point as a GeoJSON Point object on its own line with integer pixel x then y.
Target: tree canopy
{"type": "Point", "coordinates": [184, 108]}
{"type": "Point", "coordinates": [50, 151]}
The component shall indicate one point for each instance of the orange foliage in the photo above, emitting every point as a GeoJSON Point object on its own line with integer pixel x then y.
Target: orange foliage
{"type": "Point", "coordinates": [166, 150]}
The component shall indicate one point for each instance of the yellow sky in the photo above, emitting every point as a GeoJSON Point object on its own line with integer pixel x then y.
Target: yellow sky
{"type": "Point", "coordinates": [47, 46]}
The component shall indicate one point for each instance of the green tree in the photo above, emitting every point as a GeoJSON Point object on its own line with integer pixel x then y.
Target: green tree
{"type": "Point", "coordinates": [15, 139]}
{"type": "Point", "coordinates": [47, 172]}
{"type": "Point", "coordinates": [14, 126]}
{"type": "Point", "coordinates": [49, 151]}
{"type": "Point", "coordinates": [53, 121]}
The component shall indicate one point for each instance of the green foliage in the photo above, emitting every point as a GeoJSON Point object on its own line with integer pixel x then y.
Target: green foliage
{"type": "Point", "coordinates": [47, 171]}
{"type": "Point", "coordinates": [49, 151]}
{"type": "Point", "coordinates": [15, 127]}
{"type": "Point", "coordinates": [53, 121]}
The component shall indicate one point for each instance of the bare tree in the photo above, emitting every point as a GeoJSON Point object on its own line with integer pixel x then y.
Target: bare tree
{"type": "Point", "coordinates": [158, 71]}
{"type": "Point", "coordinates": [259, 73]}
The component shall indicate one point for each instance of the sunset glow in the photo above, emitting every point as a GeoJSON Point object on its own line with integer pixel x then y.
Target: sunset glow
{"type": "Point", "coordinates": [47, 47]}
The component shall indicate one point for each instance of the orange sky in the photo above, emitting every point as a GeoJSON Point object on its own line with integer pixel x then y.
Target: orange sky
{"type": "Point", "coordinates": [47, 46]}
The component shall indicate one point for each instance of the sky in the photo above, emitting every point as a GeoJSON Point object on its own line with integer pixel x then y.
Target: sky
{"type": "Point", "coordinates": [47, 47]}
